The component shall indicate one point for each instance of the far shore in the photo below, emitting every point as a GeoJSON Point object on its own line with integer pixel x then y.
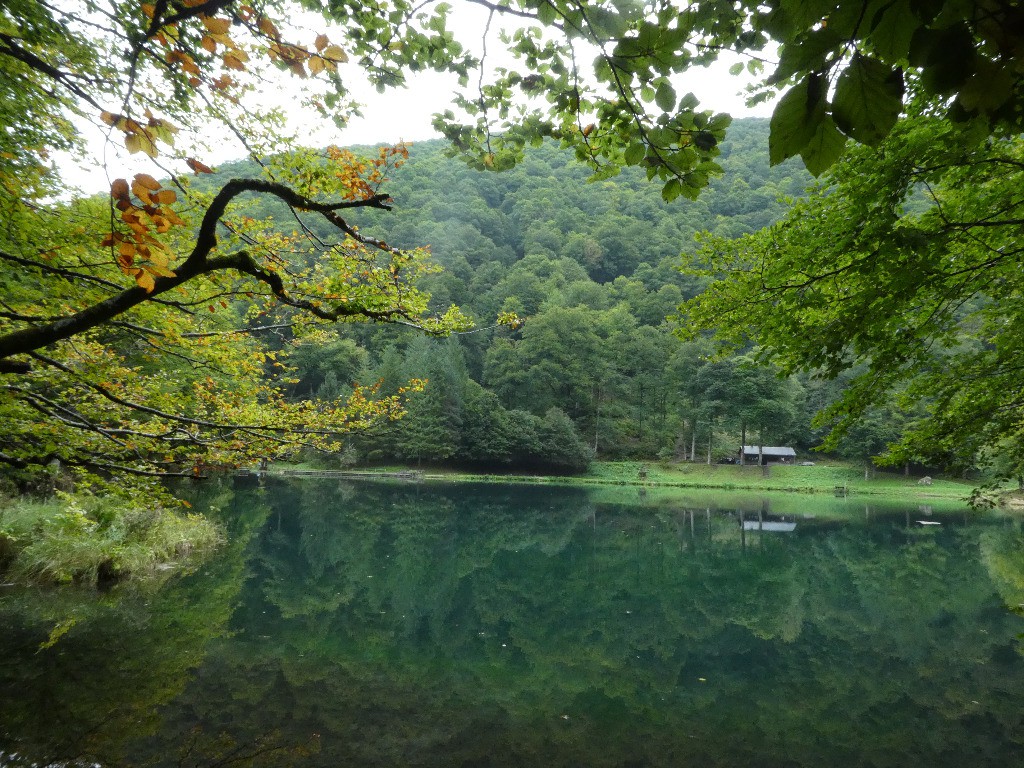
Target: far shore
{"type": "Point", "coordinates": [827, 477]}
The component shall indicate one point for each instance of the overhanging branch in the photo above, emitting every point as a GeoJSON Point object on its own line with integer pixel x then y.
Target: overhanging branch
{"type": "Point", "coordinates": [29, 339]}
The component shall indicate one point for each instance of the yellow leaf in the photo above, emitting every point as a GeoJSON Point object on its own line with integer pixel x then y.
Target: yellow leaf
{"type": "Point", "coordinates": [161, 271]}
{"type": "Point", "coordinates": [335, 53]}
{"type": "Point", "coordinates": [321, 42]}
{"type": "Point", "coordinates": [166, 196]}
{"type": "Point", "coordinates": [133, 142]}
{"type": "Point", "coordinates": [209, 44]}
{"type": "Point", "coordinates": [109, 118]}
{"type": "Point", "coordinates": [217, 26]}
{"type": "Point", "coordinates": [316, 65]}
{"type": "Point", "coordinates": [231, 61]}
{"type": "Point", "coordinates": [145, 280]}
{"type": "Point", "coordinates": [143, 143]}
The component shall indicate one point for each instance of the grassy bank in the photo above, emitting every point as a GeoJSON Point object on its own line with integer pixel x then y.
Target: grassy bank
{"type": "Point", "coordinates": [823, 477]}
{"type": "Point", "coordinates": [89, 540]}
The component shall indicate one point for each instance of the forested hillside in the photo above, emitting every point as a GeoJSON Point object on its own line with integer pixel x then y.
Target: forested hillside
{"type": "Point", "coordinates": [591, 268]}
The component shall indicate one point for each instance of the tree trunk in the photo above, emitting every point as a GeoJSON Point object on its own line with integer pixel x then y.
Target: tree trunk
{"type": "Point", "coordinates": [743, 444]}
{"type": "Point", "coordinates": [640, 415]}
{"type": "Point", "coordinates": [710, 433]}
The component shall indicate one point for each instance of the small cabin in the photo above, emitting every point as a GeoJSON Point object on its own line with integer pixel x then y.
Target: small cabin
{"type": "Point", "coordinates": [769, 454]}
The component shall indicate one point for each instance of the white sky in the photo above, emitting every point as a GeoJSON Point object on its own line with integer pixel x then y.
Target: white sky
{"type": "Point", "coordinates": [406, 114]}
{"type": "Point", "coordinates": [403, 114]}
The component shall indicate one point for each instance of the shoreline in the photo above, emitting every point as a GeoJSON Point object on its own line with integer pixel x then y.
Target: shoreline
{"type": "Point", "coordinates": [836, 480]}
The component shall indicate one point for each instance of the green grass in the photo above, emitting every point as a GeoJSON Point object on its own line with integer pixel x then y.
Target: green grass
{"type": "Point", "coordinates": [82, 539]}
{"type": "Point", "coordinates": [823, 477]}
{"type": "Point", "coordinates": [669, 477]}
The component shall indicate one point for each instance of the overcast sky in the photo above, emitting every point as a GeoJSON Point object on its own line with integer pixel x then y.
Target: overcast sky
{"type": "Point", "coordinates": [397, 115]}
{"type": "Point", "coordinates": [406, 114]}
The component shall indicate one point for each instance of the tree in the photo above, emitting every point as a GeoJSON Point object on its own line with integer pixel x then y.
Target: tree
{"type": "Point", "coordinates": [901, 272]}
{"type": "Point", "coordinates": [98, 292]}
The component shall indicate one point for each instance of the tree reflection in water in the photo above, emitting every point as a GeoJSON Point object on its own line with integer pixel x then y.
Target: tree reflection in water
{"type": "Point", "coordinates": [505, 625]}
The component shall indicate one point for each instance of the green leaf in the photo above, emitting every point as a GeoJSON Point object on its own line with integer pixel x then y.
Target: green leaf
{"type": "Point", "coordinates": [689, 101]}
{"type": "Point", "coordinates": [795, 119]}
{"type": "Point", "coordinates": [868, 99]}
{"type": "Point", "coordinates": [546, 13]}
{"type": "Point", "coordinates": [665, 96]}
{"type": "Point", "coordinates": [824, 148]}
{"type": "Point", "coordinates": [893, 30]}
{"type": "Point", "coordinates": [672, 189]}
{"type": "Point", "coordinates": [605, 24]}
{"type": "Point", "coordinates": [806, 54]}
{"type": "Point", "coordinates": [988, 88]}
{"type": "Point", "coordinates": [635, 153]}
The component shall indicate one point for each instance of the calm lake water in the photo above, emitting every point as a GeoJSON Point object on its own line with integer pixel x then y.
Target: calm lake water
{"type": "Point", "coordinates": [421, 625]}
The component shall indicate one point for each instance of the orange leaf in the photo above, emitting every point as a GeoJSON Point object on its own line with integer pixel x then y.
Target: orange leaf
{"type": "Point", "coordinates": [119, 189]}
{"type": "Point", "coordinates": [172, 217]}
{"type": "Point", "coordinates": [198, 167]}
{"type": "Point", "coordinates": [267, 27]}
{"type": "Point", "coordinates": [231, 61]}
{"type": "Point", "coordinates": [141, 191]}
{"type": "Point", "coordinates": [321, 42]}
{"type": "Point", "coordinates": [209, 44]}
{"type": "Point", "coordinates": [166, 196]}
{"type": "Point", "coordinates": [147, 181]}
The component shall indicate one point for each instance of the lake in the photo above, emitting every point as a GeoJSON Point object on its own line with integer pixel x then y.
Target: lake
{"type": "Point", "coordinates": [375, 624]}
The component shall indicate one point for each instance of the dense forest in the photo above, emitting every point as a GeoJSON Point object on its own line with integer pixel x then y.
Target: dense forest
{"type": "Point", "coordinates": [593, 270]}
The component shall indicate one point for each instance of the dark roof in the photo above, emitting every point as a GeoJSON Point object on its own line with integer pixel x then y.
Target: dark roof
{"type": "Point", "coordinates": [769, 450]}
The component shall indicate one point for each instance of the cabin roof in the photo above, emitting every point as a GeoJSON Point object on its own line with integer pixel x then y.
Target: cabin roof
{"type": "Point", "coordinates": [769, 450]}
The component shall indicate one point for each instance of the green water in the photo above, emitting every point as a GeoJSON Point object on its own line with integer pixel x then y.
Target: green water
{"type": "Point", "coordinates": [404, 625]}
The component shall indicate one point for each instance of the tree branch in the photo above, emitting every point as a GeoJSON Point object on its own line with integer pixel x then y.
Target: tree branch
{"type": "Point", "coordinates": [198, 263]}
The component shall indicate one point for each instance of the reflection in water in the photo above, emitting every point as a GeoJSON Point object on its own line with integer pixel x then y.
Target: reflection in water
{"type": "Point", "coordinates": [497, 626]}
